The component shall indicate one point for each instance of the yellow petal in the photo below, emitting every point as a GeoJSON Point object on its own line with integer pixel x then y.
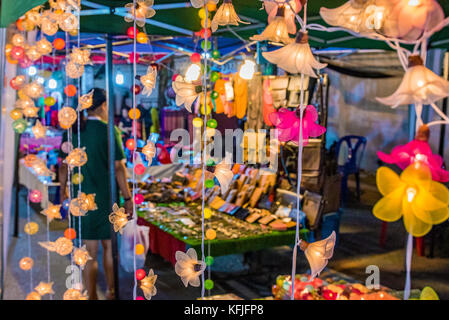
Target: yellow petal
{"type": "Point", "coordinates": [431, 216]}
{"type": "Point", "coordinates": [413, 225]}
{"type": "Point", "coordinates": [429, 294]}
{"type": "Point", "coordinates": [426, 201]}
{"type": "Point", "coordinates": [439, 191]}
{"type": "Point", "coordinates": [387, 180]}
{"type": "Point", "coordinates": [389, 208]}
{"type": "Point", "coordinates": [417, 174]}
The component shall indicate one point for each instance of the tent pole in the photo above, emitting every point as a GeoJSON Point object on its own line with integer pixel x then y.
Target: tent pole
{"type": "Point", "coordinates": [16, 186]}
{"type": "Point", "coordinates": [111, 158]}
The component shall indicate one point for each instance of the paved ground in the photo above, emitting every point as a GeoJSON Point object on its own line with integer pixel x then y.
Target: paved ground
{"type": "Point", "coordinates": [251, 275]}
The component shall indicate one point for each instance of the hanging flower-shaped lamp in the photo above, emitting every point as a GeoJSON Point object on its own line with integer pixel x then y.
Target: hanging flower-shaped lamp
{"type": "Point", "coordinates": [223, 173]}
{"type": "Point", "coordinates": [144, 10]}
{"type": "Point", "coordinates": [33, 53]}
{"type": "Point", "coordinates": [296, 57]}
{"type": "Point", "coordinates": [189, 268]}
{"type": "Point", "coordinates": [225, 15]}
{"type": "Point", "coordinates": [118, 218]}
{"type": "Point", "coordinates": [412, 195]}
{"type": "Point", "coordinates": [61, 246]}
{"type": "Point", "coordinates": [39, 130]}
{"type": "Point", "coordinates": [419, 86]}
{"type": "Point", "coordinates": [33, 90]}
{"type": "Point", "coordinates": [149, 150]}
{"type": "Point", "coordinates": [76, 158]}
{"type": "Point", "coordinates": [68, 21]}
{"type": "Point", "coordinates": [186, 93]}
{"type": "Point", "coordinates": [52, 212]}
{"type": "Point", "coordinates": [318, 253]}
{"type": "Point", "coordinates": [291, 7]}
{"type": "Point", "coordinates": [409, 19]}
{"type": "Point", "coordinates": [44, 46]}
{"type": "Point", "coordinates": [80, 56]}
{"type": "Point", "coordinates": [44, 288]}
{"type": "Point", "coordinates": [276, 30]}
{"type": "Point", "coordinates": [74, 294]}
{"type": "Point", "coordinates": [18, 40]}
{"type": "Point", "coordinates": [86, 101]}
{"type": "Point", "coordinates": [148, 285]}
{"type": "Point", "coordinates": [417, 150]}
{"type": "Point", "coordinates": [149, 80]}
{"type": "Point", "coordinates": [287, 124]}
{"type": "Point", "coordinates": [81, 256]}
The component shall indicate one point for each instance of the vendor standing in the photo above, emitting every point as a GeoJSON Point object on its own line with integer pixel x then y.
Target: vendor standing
{"type": "Point", "coordinates": [95, 225]}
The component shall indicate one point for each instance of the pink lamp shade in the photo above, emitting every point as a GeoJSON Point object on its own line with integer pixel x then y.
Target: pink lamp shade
{"type": "Point", "coordinates": [416, 150]}
{"type": "Point", "coordinates": [287, 124]}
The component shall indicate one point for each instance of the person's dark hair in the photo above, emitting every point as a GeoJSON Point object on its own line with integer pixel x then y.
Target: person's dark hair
{"type": "Point", "coordinates": [98, 98]}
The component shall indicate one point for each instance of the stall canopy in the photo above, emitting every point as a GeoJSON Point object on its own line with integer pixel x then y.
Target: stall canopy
{"type": "Point", "coordinates": [178, 18]}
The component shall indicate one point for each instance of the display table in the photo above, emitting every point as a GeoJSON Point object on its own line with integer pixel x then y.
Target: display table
{"type": "Point", "coordinates": [165, 243]}
{"type": "Point", "coordinates": [31, 181]}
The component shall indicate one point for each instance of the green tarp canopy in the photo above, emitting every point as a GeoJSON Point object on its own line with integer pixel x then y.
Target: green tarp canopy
{"type": "Point", "coordinates": [183, 20]}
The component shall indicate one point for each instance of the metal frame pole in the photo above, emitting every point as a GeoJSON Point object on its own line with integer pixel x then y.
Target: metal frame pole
{"type": "Point", "coordinates": [444, 107]}
{"type": "Point", "coordinates": [111, 157]}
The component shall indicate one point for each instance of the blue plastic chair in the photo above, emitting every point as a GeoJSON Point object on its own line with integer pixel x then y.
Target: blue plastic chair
{"type": "Point", "coordinates": [356, 148]}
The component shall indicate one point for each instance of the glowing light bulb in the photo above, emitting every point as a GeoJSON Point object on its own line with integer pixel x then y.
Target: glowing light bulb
{"type": "Point", "coordinates": [420, 157]}
{"type": "Point", "coordinates": [193, 73]}
{"type": "Point", "coordinates": [413, 3]}
{"type": "Point", "coordinates": [119, 78]}
{"type": "Point", "coordinates": [420, 83]}
{"type": "Point", "coordinates": [411, 193]}
{"type": "Point", "coordinates": [247, 70]}
{"type": "Point", "coordinates": [52, 84]}
{"type": "Point", "coordinates": [32, 71]}
{"type": "Point", "coordinates": [40, 80]}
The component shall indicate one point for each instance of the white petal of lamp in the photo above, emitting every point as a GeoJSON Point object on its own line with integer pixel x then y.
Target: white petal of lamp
{"type": "Point", "coordinates": [149, 81]}
{"type": "Point", "coordinates": [296, 57]}
{"type": "Point", "coordinates": [224, 174]}
{"type": "Point", "coordinates": [276, 30]}
{"type": "Point", "coordinates": [347, 15]}
{"type": "Point", "coordinates": [419, 86]}
{"type": "Point", "coordinates": [318, 253]}
{"type": "Point", "coordinates": [225, 15]}
{"type": "Point", "coordinates": [186, 93]}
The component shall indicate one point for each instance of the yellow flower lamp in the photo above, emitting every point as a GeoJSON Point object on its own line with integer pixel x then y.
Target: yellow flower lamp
{"type": "Point", "coordinates": [412, 195]}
